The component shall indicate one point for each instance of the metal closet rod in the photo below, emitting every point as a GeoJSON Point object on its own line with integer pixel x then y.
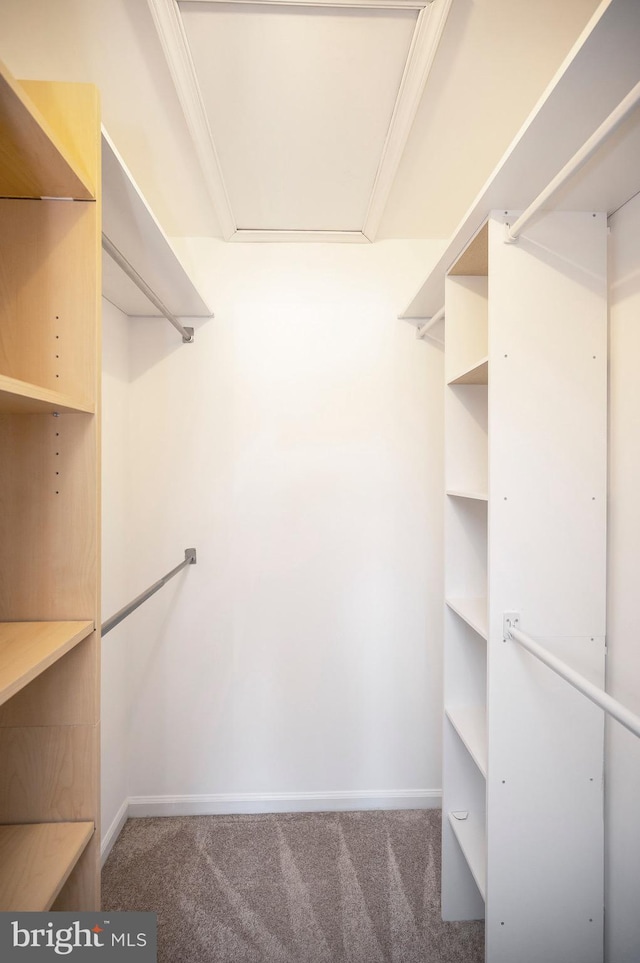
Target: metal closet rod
{"type": "Point", "coordinates": [606, 128]}
{"type": "Point", "coordinates": [141, 284]}
{"type": "Point", "coordinates": [624, 716]}
{"type": "Point", "coordinates": [189, 559]}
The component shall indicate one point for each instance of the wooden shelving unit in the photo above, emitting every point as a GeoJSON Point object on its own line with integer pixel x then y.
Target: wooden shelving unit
{"type": "Point", "coordinates": [37, 158]}
{"type": "Point", "coordinates": [29, 648]}
{"type": "Point", "coordinates": [50, 255]}
{"type": "Point", "coordinates": [36, 862]}
{"type": "Point", "coordinates": [20, 397]}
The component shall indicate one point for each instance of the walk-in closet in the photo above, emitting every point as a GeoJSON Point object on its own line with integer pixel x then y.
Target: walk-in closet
{"type": "Point", "coordinates": [319, 462]}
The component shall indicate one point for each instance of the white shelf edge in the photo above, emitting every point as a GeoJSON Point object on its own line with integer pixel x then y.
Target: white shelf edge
{"type": "Point", "coordinates": [476, 367]}
{"type": "Point", "coordinates": [477, 496]}
{"type": "Point", "coordinates": [603, 58]}
{"type": "Point", "coordinates": [133, 228]}
{"type": "Point", "coordinates": [470, 722]}
{"type": "Point", "coordinates": [471, 836]}
{"type": "Point", "coordinates": [473, 611]}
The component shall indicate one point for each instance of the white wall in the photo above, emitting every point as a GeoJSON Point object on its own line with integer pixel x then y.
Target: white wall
{"type": "Point", "coordinates": [623, 629]}
{"type": "Point", "coordinates": [115, 562]}
{"type": "Point", "coordinates": [297, 445]}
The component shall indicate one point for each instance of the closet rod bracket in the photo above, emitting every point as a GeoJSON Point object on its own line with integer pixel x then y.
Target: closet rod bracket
{"type": "Point", "coordinates": [187, 337]}
{"type": "Point", "coordinates": [510, 620]}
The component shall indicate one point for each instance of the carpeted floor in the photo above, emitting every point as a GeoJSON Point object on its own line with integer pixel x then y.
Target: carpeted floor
{"type": "Point", "coordinates": [358, 887]}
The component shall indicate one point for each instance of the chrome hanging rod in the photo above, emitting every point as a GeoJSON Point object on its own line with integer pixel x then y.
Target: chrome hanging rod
{"type": "Point", "coordinates": [598, 696]}
{"type": "Point", "coordinates": [141, 284]}
{"type": "Point", "coordinates": [426, 327]}
{"type": "Point", "coordinates": [189, 559]}
{"type": "Point", "coordinates": [581, 156]}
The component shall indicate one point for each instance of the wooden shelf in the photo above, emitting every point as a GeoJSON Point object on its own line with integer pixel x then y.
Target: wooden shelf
{"type": "Point", "coordinates": [29, 648]}
{"type": "Point", "coordinates": [471, 836]}
{"type": "Point", "coordinates": [34, 161]}
{"type": "Point", "coordinates": [36, 860]}
{"type": "Point", "coordinates": [20, 397]}
{"type": "Point", "coordinates": [477, 496]}
{"type": "Point", "coordinates": [470, 722]}
{"type": "Point", "coordinates": [473, 611]}
{"type": "Point", "coordinates": [477, 374]}
{"type": "Point", "coordinates": [50, 335]}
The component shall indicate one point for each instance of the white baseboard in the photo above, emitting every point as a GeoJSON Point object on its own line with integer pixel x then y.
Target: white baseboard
{"type": "Point", "coordinates": [293, 802]}
{"type": "Point", "coordinates": [114, 831]}
{"type": "Point", "coordinates": [223, 804]}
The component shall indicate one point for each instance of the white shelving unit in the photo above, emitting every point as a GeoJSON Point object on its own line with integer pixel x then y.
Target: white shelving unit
{"type": "Point", "coordinates": [470, 722]}
{"type": "Point", "coordinates": [465, 761]}
{"type": "Point", "coordinates": [469, 832]}
{"type": "Point", "coordinates": [525, 528]}
{"type": "Point", "coordinates": [525, 408]}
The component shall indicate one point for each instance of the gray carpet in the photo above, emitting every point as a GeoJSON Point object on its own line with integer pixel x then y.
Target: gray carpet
{"type": "Point", "coordinates": [359, 887]}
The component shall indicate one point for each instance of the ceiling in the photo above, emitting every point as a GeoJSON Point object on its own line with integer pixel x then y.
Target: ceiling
{"type": "Point", "coordinates": [268, 121]}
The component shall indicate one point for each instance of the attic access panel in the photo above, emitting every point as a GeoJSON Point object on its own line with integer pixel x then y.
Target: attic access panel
{"type": "Point", "coordinates": [299, 111]}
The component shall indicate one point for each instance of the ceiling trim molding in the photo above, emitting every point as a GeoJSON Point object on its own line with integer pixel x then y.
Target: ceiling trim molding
{"type": "Point", "coordinates": [350, 237]}
{"type": "Point", "coordinates": [430, 23]}
{"type": "Point", "coordinates": [422, 53]}
{"type": "Point", "coordinates": [372, 4]}
{"type": "Point", "coordinates": [166, 16]}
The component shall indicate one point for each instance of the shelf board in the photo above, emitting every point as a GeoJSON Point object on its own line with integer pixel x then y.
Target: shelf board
{"type": "Point", "coordinates": [473, 611]}
{"type": "Point", "coordinates": [474, 260]}
{"type": "Point", "coordinates": [477, 374]}
{"type": "Point", "coordinates": [470, 722]}
{"type": "Point", "coordinates": [597, 73]}
{"type": "Point", "coordinates": [29, 648]}
{"type": "Point", "coordinates": [36, 861]}
{"type": "Point", "coordinates": [478, 496]}
{"type": "Point", "coordinates": [471, 836]}
{"type": "Point", "coordinates": [34, 162]}
{"type": "Point", "coordinates": [133, 229]}
{"type": "Point", "coordinates": [21, 397]}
